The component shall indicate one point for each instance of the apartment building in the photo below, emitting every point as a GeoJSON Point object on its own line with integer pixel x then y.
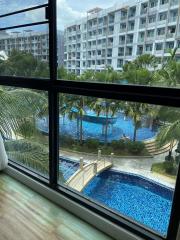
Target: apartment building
{"type": "Point", "coordinates": [119, 34]}
{"type": "Point", "coordinates": [33, 42]}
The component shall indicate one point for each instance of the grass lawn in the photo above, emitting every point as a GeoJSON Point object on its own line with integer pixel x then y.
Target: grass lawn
{"type": "Point", "coordinates": [164, 168]}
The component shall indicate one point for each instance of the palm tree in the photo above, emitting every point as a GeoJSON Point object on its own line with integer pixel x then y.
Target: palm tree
{"type": "Point", "coordinates": [109, 75]}
{"type": "Point", "coordinates": [136, 111]}
{"type": "Point", "coordinates": [169, 133]}
{"type": "Point", "coordinates": [75, 107]}
{"type": "Point", "coordinates": [19, 111]}
{"type": "Point", "coordinates": [108, 108]}
{"type": "Point", "coordinates": [169, 75]}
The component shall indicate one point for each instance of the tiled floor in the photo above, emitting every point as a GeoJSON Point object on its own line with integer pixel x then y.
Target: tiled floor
{"type": "Point", "coordinates": [25, 215]}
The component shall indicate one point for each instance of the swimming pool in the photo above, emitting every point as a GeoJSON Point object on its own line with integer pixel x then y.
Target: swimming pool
{"type": "Point", "coordinates": [136, 197]}
{"type": "Point", "coordinates": [123, 125]}
{"type": "Point", "coordinates": [68, 167]}
{"type": "Point", "coordinates": [133, 196]}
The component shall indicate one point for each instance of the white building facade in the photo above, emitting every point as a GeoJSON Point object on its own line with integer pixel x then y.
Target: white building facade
{"type": "Point", "coordinates": [36, 43]}
{"type": "Point", "coordinates": [114, 36]}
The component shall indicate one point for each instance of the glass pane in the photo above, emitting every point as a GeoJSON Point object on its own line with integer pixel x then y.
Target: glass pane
{"type": "Point", "coordinates": [122, 155]}
{"type": "Point", "coordinates": [13, 6]}
{"type": "Point", "coordinates": [37, 15]}
{"type": "Point", "coordinates": [122, 43]}
{"type": "Point", "coordinates": [25, 141]}
{"type": "Point", "coordinates": [25, 52]}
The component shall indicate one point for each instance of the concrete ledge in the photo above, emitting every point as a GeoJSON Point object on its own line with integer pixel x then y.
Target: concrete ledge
{"type": "Point", "coordinates": [95, 220]}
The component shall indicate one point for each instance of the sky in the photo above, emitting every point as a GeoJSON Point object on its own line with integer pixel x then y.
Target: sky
{"type": "Point", "coordinates": [67, 10]}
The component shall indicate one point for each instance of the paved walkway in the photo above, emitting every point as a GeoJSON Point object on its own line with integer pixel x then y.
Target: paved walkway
{"type": "Point", "coordinates": [137, 165]}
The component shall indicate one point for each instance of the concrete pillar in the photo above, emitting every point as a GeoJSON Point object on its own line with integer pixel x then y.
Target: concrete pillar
{"type": "Point", "coordinates": [99, 155]}
{"type": "Point", "coordinates": [81, 163]}
{"type": "Point", "coordinates": [111, 157]}
{"type": "Point", "coordinates": [95, 168]}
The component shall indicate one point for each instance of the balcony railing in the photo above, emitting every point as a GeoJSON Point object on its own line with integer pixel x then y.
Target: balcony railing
{"type": "Point", "coordinates": [142, 25]}
{"type": "Point", "coordinates": [164, 6]}
{"type": "Point", "coordinates": [129, 41]}
{"type": "Point", "coordinates": [173, 19]}
{"type": "Point", "coordinates": [170, 35]}
{"type": "Point", "coordinates": [159, 51]}
{"type": "Point", "coordinates": [141, 39]}
{"type": "Point", "coordinates": [144, 11]}
{"type": "Point", "coordinates": [174, 2]}
{"type": "Point", "coordinates": [122, 30]}
{"type": "Point", "coordinates": [160, 36]}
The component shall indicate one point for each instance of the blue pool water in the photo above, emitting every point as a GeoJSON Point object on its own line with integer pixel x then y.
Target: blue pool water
{"type": "Point", "coordinates": [131, 195]}
{"type": "Point", "coordinates": [135, 197]}
{"type": "Point", "coordinates": [94, 130]}
{"type": "Point", "coordinates": [68, 168]}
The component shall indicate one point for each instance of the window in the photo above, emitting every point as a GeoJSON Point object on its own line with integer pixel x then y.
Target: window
{"type": "Point", "coordinates": [100, 112]}
{"type": "Point", "coordinates": [159, 46]}
{"type": "Point", "coordinates": [163, 16]}
{"type": "Point", "coordinates": [152, 19]}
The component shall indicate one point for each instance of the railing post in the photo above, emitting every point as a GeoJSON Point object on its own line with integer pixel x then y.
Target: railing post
{"type": "Point", "coordinates": [95, 168]}
{"type": "Point", "coordinates": [111, 157]}
{"type": "Point", "coordinates": [99, 155]}
{"type": "Point", "coordinates": [81, 163]}
{"type": "Point", "coordinates": [83, 178]}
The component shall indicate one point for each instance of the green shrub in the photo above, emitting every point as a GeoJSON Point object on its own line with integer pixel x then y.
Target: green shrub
{"type": "Point", "coordinates": [92, 143]}
{"type": "Point", "coordinates": [177, 159]}
{"type": "Point", "coordinates": [169, 158]}
{"type": "Point", "coordinates": [135, 147]}
{"type": "Point", "coordinates": [118, 145]}
{"type": "Point", "coordinates": [169, 168]}
{"type": "Point", "coordinates": [66, 141]}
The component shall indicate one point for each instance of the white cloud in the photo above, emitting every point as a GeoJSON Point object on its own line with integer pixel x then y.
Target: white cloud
{"type": "Point", "coordinates": [66, 15]}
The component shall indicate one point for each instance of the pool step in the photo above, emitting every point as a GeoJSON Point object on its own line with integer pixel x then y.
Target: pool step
{"type": "Point", "coordinates": [154, 150]}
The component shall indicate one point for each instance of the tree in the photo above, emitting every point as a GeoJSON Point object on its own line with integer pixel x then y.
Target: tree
{"type": "Point", "coordinates": [19, 112]}
{"type": "Point", "coordinates": [136, 111]}
{"type": "Point", "coordinates": [141, 71]}
{"type": "Point", "coordinates": [75, 107]}
{"type": "Point", "coordinates": [108, 108]}
{"type": "Point", "coordinates": [167, 134]}
{"type": "Point", "coordinates": [169, 74]}
{"type": "Point", "coordinates": [21, 63]}
{"type": "Point", "coordinates": [170, 131]}
{"type": "Point", "coordinates": [109, 75]}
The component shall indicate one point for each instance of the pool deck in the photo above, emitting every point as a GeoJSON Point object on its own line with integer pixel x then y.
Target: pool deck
{"type": "Point", "coordinates": [140, 166]}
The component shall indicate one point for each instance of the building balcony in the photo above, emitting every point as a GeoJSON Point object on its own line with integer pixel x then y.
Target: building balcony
{"type": "Point", "coordinates": [150, 39]}
{"type": "Point", "coordinates": [129, 41]}
{"type": "Point", "coordinates": [164, 6]}
{"type": "Point", "coordinates": [153, 10]}
{"type": "Point", "coordinates": [174, 3]}
{"type": "Point", "coordinates": [123, 18]}
{"type": "Point", "coordinates": [142, 25]}
{"type": "Point", "coordinates": [121, 54]}
{"type": "Point", "coordinates": [141, 40]}
{"type": "Point", "coordinates": [110, 44]}
{"type": "Point", "coordinates": [159, 52]}
{"type": "Point", "coordinates": [122, 30]}
{"type": "Point", "coordinates": [144, 11]}
{"type": "Point", "coordinates": [173, 19]}
{"type": "Point", "coordinates": [139, 52]}
{"type": "Point", "coordinates": [161, 22]}
{"type": "Point", "coordinates": [170, 35]}
{"type": "Point", "coordinates": [160, 37]}
{"type": "Point", "coordinates": [121, 42]}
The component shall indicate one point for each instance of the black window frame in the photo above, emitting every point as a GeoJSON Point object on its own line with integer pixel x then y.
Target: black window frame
{"type": "Point", "coordinates": [135, 93]}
